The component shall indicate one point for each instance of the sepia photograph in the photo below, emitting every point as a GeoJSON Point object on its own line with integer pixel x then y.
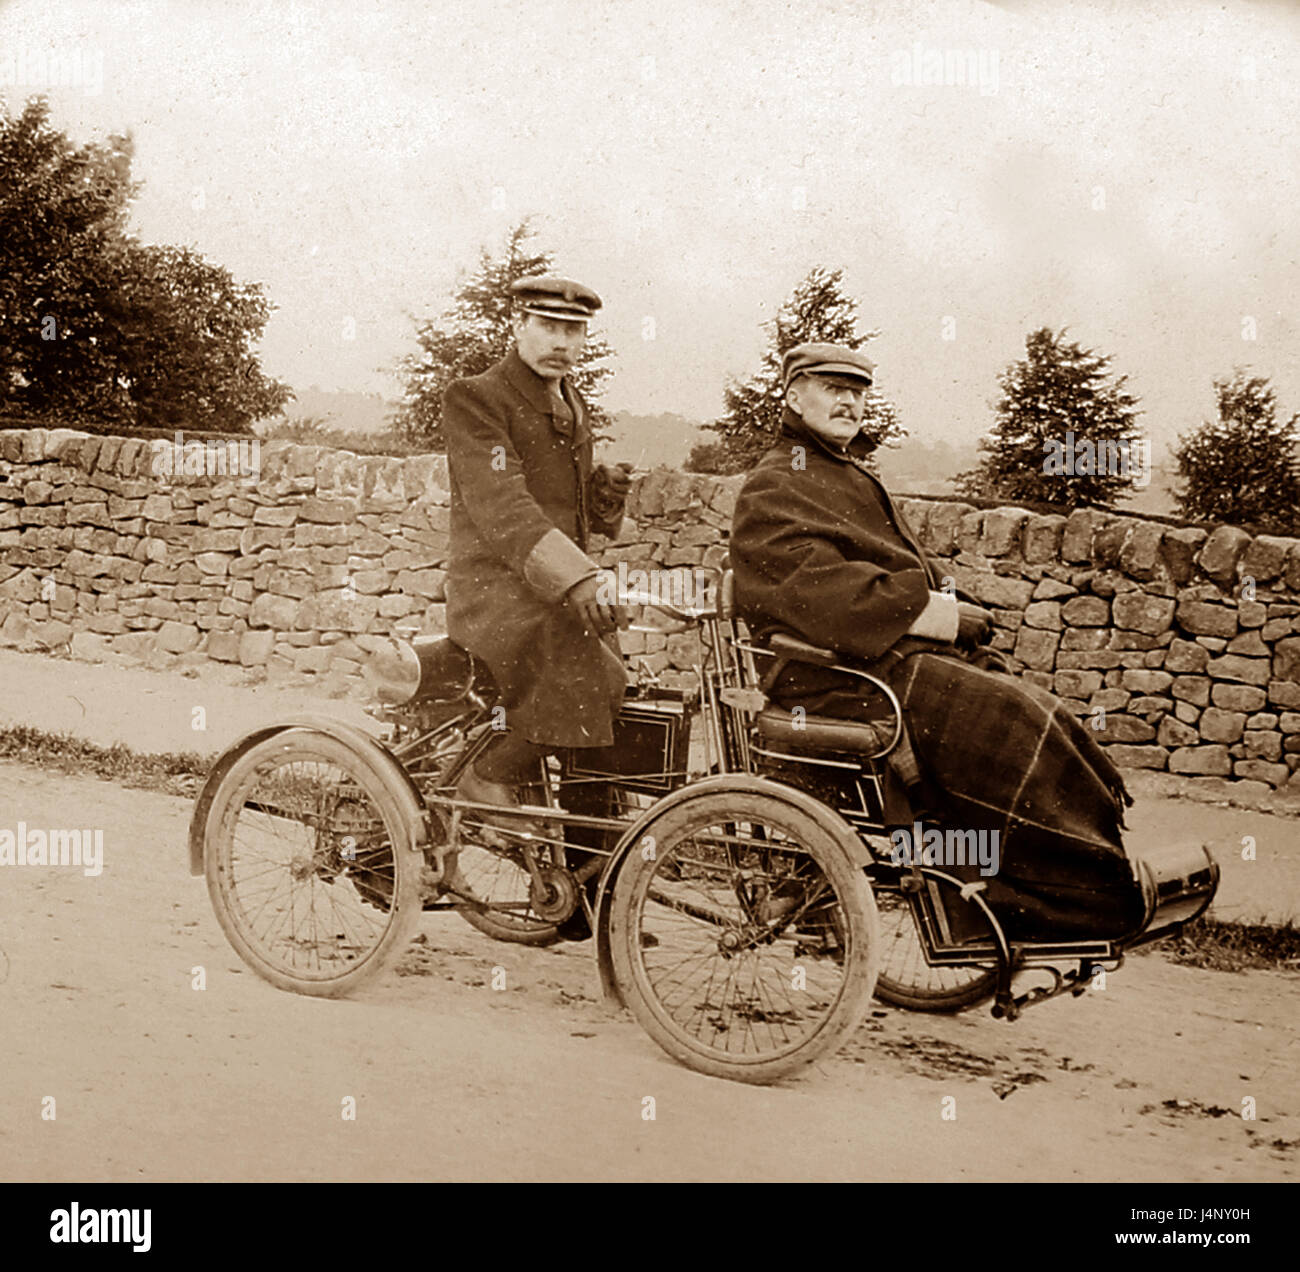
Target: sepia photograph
{"type": "Point", "coordinates": [699, 592]}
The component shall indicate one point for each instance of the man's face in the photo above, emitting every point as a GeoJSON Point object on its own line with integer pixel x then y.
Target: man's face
{"type": "Point", "coordinates": [550, 346]}
{"type": "Point", "coordinates": [832, 406]}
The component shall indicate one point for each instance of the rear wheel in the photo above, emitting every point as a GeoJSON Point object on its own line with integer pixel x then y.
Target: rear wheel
{"type": "Point", "coordinates": [500, 898]}
{"type": "Point", "coordinates": [743, 939]}
{"type": "Point", "coordinates": [310, 866]}
{"type": "Point", "coordinates": [906, 979]}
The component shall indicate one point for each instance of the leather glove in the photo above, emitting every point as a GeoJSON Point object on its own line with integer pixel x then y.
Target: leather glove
{"type": "Point", "coordinates": [609, 490]}
{"type": "Point", "coordinates": [974, 625]}
{"type": "Point", "coordinates": [618, 481]}
{"type": "Point", "coordinates": [596, 616]}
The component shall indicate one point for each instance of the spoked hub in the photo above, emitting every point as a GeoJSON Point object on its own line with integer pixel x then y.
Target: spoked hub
{"type": "Point", "coordinates": [514, 886]}
{"type": "Point", "coordinates": [554, 895]}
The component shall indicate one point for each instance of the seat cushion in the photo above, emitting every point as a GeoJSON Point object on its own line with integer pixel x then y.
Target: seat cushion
{"type": "Point", "coordinates": [820, 733]}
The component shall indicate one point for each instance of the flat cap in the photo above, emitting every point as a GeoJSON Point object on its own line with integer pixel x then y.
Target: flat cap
{"type": "Point", "coordinates": [553, 297]}
{"type": "Point", "coordinates": [825, 359]}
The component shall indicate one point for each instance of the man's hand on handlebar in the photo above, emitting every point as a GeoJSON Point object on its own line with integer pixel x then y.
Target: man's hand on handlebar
{"type": "Point", "coordinates": [595, 614]}
{"type": "Point", "coordinates": [974, 625]}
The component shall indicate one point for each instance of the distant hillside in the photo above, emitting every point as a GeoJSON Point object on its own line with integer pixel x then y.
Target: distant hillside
{"type": "Point", "coordinates": [343, 412]}
{"type": "Point", "coordinates": [921, 468]}
{"type": "Point", "coordinates": [650, 441]}
{"type": "Point", "coordinates": [915, 467]}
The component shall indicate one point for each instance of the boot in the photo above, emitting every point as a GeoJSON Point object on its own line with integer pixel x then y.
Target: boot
{"type": "Point", "coordinates": [477, 789]}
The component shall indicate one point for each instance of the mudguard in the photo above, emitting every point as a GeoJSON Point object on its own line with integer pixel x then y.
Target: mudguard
{"type": "Point", "coordinates": [372, 753]}
{"type": "Point", "coordinates": [740, 784]}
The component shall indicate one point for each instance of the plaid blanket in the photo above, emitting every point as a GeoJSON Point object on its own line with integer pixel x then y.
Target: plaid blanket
{"type": "Point", "coordinates": [998, 753]}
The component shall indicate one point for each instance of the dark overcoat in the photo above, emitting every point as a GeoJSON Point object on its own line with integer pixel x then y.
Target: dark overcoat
{"type": "Point", "coordinates": [819, 549]}
{"type": "Point", "coordinates": [522, 476]}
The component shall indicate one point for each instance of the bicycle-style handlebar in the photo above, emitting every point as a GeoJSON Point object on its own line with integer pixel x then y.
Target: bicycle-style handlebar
{"type": "Point", "coordinates": [688, 614]}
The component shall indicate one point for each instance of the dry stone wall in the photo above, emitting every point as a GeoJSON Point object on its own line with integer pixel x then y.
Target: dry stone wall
{"type": "Point", "coordinates": [297, 570]}
{"type": "Point", "coordinates": [1180, 646]}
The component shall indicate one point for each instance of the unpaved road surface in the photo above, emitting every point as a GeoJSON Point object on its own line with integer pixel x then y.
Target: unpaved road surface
{"type": "Point", "coordinates": [453, 1079]}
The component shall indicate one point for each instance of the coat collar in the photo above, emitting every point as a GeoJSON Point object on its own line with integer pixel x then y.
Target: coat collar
{"type": "Point", "coordinates": [527, 382]}
{"type": "Point", "coordinates": [535, 392]}
{"type": "Point", "coordinates": [856, 454]}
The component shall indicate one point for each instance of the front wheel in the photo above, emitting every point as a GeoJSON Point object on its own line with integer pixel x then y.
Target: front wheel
{"type": "Point", "coordinates": [743, 939]}
{"type": "Point", "coordinates": [310, 866]}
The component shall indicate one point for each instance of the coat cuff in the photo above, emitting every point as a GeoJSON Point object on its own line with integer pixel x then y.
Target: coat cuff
{"type": "Point", "coordinates": [555, 564]}
{"type": "Point", "coordinates": [938, 620]}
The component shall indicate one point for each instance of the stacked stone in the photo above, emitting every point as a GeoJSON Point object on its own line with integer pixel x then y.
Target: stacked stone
{"type": "Point", "coordinates": [681, 520]}
{"type": "Point", "coordinates": [299, 568]}
{"type": "Point", "coordinates": [1178, 645]}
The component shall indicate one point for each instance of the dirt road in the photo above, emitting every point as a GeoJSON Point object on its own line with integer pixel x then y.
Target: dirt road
{"type": "Point", "coordinates": [453, 1079]}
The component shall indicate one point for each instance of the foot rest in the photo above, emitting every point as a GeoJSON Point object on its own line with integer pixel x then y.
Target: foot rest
{"type": "Point", "coordinates": [821, 733]}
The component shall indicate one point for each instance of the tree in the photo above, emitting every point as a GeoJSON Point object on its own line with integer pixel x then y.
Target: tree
{"type": "Point", "coordinates": [1066, 430]}
{"type": "Point", "coordinates": [708, 457]}
{"type": "Point", "coordinates": [1242, 467]}
{"type": "Point", "coordinates": [474, 333]}
{"type": "Point", "coordinates": [97, 328]}
{"type": "Point", "coordinates": [817, 310]}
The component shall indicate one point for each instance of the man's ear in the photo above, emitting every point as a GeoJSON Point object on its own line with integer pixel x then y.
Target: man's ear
{"type": "Point", "coordinates": [792, 399]}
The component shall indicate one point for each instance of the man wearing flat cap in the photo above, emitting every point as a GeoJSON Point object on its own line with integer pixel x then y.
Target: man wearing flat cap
{"type": "Point", "coordinates": [821, 551]}
{"type": "Point", "coordinates": [525, 495]}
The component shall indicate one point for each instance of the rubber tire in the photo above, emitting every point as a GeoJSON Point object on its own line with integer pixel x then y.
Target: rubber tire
{"type": "Point", "coordinates": [913, 997]}
{"type": "Point", "coordinates": [408, 862]}
{"type": "Point", "coordinates": [855, 897]}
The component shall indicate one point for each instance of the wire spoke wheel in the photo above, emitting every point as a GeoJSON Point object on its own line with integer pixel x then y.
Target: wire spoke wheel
{"type": "Point", "coordinates": [497, 886]}
{"type": "Point", "coordinates": [309, 866]}
{"type": "Point", "coordinates": [906, 979]}
{"type": "Point", "coordinates": [494, 882]}
{"type": "Point", "coordinates": [744, 941]}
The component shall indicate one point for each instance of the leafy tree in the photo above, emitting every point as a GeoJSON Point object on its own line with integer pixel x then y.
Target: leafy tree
{"type": "Point", "coordinates": [708, 457]}
{"type": "Point", "coordinates": [1242, 467]}
{"type": "Point", "coordinates": [1066, 430]}
{"type": "Point", "coordinates": [97, 328]}
{"type": "Point", "coordinates": [474, 333]}
{"type": "Point", "coordinates": [817, 310]}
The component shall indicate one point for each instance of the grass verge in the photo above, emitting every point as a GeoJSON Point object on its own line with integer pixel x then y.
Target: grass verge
{"type": "Point", "coordinates": [1233, 947]}
{"type": "Point", "coordinates": [170, 774]}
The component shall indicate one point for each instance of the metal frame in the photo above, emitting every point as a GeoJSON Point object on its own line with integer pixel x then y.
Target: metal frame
{"type": "Point", "coordinates": [728, 703]}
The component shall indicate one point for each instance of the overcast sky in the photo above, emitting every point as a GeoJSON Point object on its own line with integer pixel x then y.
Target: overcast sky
{"type": "Point", "coordinates": [1129, 170]}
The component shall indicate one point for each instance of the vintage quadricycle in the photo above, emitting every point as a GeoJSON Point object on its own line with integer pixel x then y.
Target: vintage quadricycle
{"type": "Point", "coordinates": [729, 858]}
